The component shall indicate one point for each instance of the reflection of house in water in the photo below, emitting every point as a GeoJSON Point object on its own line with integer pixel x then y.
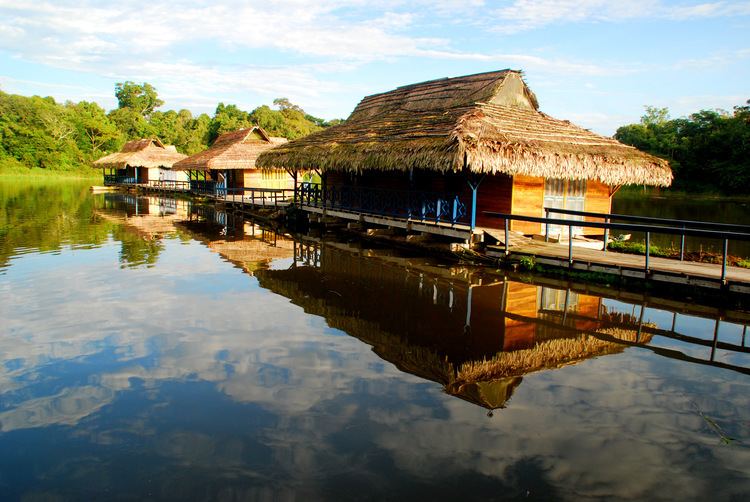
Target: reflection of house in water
{"type": "Point", "coordinates": [245, 244]}
{"type": "Point", "coordinates": [476, 335]}
{"type": "Point", "coordinates": [150, 215]}
{"type": "Point", "coordinates": [141, 223]}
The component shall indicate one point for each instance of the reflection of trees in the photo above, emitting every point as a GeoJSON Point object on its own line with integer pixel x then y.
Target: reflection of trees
{"type": "Point", "coordinates": [47, 215]}
{"type": "Point", "coordinates": [137, 249]}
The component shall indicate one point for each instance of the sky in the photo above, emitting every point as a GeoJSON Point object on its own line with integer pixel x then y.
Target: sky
{"type": "Point", "coordinates": [596, 63]}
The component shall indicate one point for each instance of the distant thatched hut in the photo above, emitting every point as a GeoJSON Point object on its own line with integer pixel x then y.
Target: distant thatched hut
{"type": "Point", "coordinates": [140, 162]}
{"type": "Point", "coordinates": [230, 162]}
{"type": "Point", "coordinates": [450, 149]}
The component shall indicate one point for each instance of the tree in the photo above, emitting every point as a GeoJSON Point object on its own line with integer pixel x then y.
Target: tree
{"type": "Point", "coordinates": [227, 118]}
{"type": "Point", "coordinates": [143, 98]}
{"type": "Point", "coordinates": [94, 126]}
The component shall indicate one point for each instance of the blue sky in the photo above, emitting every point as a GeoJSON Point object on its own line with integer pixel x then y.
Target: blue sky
{"type": "Point", "coordinates": [594, 62]}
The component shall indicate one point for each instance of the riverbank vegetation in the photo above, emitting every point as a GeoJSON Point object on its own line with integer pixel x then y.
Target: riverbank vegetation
{"type": "Point", "coordinates": [39, 136]}
{"type": "Point", "coordinates": [709, 151]}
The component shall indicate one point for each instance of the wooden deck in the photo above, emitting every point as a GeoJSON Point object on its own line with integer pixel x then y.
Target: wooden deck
{"type": "Point", "coordinates": [629, 265]}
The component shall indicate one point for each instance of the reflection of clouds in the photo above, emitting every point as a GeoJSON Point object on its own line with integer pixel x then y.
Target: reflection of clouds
{"type": "Point", "coordinates": [615, 425]}
{"type": "Point", "coordinates": [64, 408]}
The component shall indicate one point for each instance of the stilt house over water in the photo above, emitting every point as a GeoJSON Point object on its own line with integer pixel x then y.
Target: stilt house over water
{"type": "Point", "coordinates": [140, 162]}
{"type": "Point", "coordinates": [439, 154]}
{"type": "Point", "coordinates": [230, 163]}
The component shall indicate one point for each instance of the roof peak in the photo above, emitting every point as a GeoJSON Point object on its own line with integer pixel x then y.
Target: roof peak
{"type": "Point", "coordinates": [500, 87]}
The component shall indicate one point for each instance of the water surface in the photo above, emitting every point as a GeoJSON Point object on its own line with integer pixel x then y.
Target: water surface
{"type": "Point", "coordinates": [156, 349]}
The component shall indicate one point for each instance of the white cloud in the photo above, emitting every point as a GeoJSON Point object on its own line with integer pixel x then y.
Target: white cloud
{"type": "Point", "coordinates": [524, 15]}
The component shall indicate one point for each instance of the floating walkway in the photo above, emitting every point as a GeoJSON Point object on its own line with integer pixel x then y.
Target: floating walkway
{"type": "Point", "coordinates": [631, 266]}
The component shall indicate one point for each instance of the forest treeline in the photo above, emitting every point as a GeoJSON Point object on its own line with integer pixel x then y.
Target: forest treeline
{"type": "Point", "coordinates": [708, 150]}
{"type": "Point", "coordinates": [40, 132]}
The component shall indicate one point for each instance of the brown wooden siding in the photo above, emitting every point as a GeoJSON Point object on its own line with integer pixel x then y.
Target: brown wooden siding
{"type": "Point", "coordinates": [597, 200]}
{"type": "Point", "coordinates": [528, 200]}
{"type": "Point", "coordinates": [494, 194]}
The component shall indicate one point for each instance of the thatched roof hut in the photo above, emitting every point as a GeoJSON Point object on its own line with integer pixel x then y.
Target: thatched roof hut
{"type": "Point", "coordinates": [146, 152]}
{"type": "Point", "coordinates": [488, 123]}
{"type": "Point", "coordinates": [232, 150]}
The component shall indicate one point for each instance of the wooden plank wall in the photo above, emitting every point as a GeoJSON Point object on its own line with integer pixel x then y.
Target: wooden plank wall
{"type": "Point", "coordinates": [255, 178]}
{"type": "Point", "coordinates": [597, 200]}
{"type": "Point", "coordinates": [528, 200]}
{"type": "Point", "coordinates": [494, 194]}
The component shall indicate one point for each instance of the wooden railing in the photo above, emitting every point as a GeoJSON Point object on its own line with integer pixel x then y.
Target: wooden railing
{"type": "Point", "coordinates": [256, 196]}
{"type": "Point", "coordinates": [415, 205]}
{"type": "Point", "coordinates": [723, 235]}
{"type": "Point", "coordinates": [662, 222]}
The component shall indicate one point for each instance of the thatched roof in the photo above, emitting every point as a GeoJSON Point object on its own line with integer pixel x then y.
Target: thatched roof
{"type": "Point", "coordinates": [232, 150]}
{"type": "Point", "coordinates": [489, 122]}
{"type": "Point", "coordinates": [146, 152]}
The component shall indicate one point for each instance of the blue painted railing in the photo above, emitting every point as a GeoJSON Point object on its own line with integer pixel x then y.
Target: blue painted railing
{"type": "Point", "coordinates": [408, 204]}
{"type": "Point", "coordinates": [116, 179]}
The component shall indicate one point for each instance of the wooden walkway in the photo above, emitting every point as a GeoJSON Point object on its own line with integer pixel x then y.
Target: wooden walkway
{"type": "Point", "coordinates": [629, 265]}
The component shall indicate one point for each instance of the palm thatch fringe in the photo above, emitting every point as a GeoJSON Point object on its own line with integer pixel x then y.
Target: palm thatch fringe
{"type": "Point", "coordinates": [549, 354]}
{"type": "Point", "coordinates": [146, 152]}
{"type": "Point", "coordinates": [233, 150]}
{"type": "Point", "coordinates": [487, 123]}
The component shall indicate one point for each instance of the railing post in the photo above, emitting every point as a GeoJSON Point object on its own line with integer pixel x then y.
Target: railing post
{"type": "Point", "coordinates": [724, 261]}
{"type": "Point", "coordinates": [507, 228]}
{"type": "Point", "coordinates": [606, 234]}
{"type": "Point", "coordinates": [570, 245]}
{"type": "Point", "coordinates": [682, 244]}
{"type": "Point", "coordinates": [546, 225]}
{"type": "Point", "coordinates": [648, 249]}
{"type": "Point", "coordinates": [473, 205]}
{"type": "Point", "coordinates": [455, 210]}
{"type": "Point", "coordinates": [716, 339]}
{"type": "Point", "coordinates": [437, 210]}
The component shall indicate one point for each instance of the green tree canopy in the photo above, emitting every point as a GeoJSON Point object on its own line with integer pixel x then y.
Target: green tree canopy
{"type": "Point", "coordinates": [141, 98]}
{"type": "Point", "coordinates": [710, 149]}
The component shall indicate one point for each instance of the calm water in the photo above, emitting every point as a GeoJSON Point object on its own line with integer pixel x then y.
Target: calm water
{"type": "Point", "coordinates": [687, 207]}
{"type": "Point", "coordinates": [152, 349]}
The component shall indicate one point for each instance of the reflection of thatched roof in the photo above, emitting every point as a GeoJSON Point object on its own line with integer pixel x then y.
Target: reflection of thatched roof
{"type": "Point", "coordinates": [148, 152]}
{"type": "Point", "coordinates": [252, 254]}
{"type": "Point", "coordinates": [548, 354]}
{"type": "Point", "coordinates": [232, 150]}
{"type": "Point", "coordinates": [148, 225]}
{"type": "Point", "coordinates": [491, 122]}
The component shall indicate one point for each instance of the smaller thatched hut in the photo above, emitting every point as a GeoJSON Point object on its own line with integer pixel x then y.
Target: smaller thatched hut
{"type": "Point", "coordinates": [141, 161]}
{"type": "Point", "coordinates": [230, 163]}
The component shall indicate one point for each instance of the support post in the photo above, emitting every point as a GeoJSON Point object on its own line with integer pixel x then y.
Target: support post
{"type": "Point", "coordinates": [640, 324]}
{"type": "Point", "coordinates": [606, 234]}
{"type": "Point", "coordinates": [474, 183]}
{"type": "Point", "coordinates": [716, 339]}
{"type": "Point", "coordinates": [724, 262]}
{"type": "Point", "coordinates": [294, 177]}
{"type": "Point", "coordinates": [507, 225]}
{"type": "Point", "coordinates": [570, 245]}
{"type": "Point", "coordinates": [648, 249]}
{"type": "Point", "coordinates": [546, 225]}
{"type": "Point", "coordinates": [682, 244]}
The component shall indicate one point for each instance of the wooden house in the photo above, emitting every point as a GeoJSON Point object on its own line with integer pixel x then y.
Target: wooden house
{"type": "Point", "coordinates": [141, 161]}
{"type": "Point", "coordinates": [437, 155]}
{"type": "Point", "coordinates": [230, 163]}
